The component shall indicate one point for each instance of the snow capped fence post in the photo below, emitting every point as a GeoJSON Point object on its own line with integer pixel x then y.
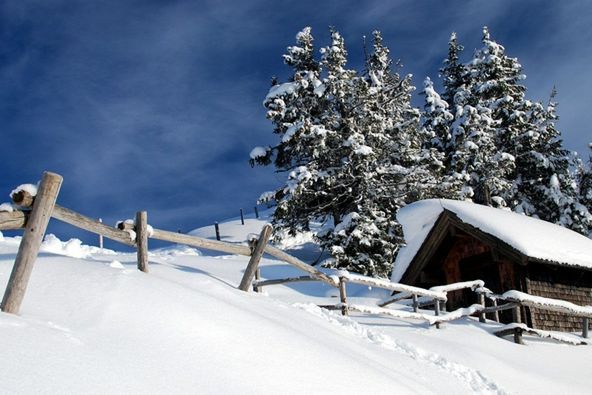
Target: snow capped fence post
{"type": "Point", "coordinates": [31, 241]}
{"type": "Point", "coordinates": [142, 240]}
{"type": "Point", "coordinates": [256, 255]}
{"type": "Point", "coordinates": [242, 217]}
{"type": "Point", "coordinates": [101, 237]}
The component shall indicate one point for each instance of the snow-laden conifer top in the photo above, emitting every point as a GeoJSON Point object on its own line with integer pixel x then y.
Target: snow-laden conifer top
{"type": "Point", "coordinates": [533, 237]}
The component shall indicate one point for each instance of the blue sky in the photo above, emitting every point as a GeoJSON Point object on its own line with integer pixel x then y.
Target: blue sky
{"type": "Point", "coordinates": [156, 105]}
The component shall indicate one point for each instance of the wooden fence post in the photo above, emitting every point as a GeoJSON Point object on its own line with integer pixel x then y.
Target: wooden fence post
{"type": "Point", "coordinates": [256, 212]}
{"type": "Point", "coordinates": [518, 336]}
{"type": "Point", "coordinates": [217, 228]}
{"type": "Point", "coordinates": [242, 217]}
{"type": "Point", "coordinates": [516, 316]}
{"type": "Point", "coordinates": [256, 255]}
{"type": "Point", "coordinates": [31, 241]}
{"type": "Point", "coordinates": [343, 296]}
{"type": "Point", "coordinates": [482, 303]}
{"type": "Point", "coordinates": [142, 240]}
{"type": "Point", "coordinates": [415, 303]}
{"type": "Point", "coordinates": [585, 325]}
{"type": "Point", "coordinates": [257, 278]}
{"type": "Point", "coordinates": [101, 237]}
{"type": "Point", "coordinates": [437, 311]}
{"type": "Point", "coordinates": [495, 313]}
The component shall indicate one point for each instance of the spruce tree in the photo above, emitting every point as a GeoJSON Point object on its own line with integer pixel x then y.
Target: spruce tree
{"type": "Point", "coordinates": [545, 185]}
{"type": "Point", "coordinates": [585, 184]}
{"type": "Point", "coordinates": [367, 154]}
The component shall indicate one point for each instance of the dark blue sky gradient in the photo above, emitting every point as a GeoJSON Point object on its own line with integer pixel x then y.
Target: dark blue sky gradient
{"type": "Point", "coordinates": [156, 104]}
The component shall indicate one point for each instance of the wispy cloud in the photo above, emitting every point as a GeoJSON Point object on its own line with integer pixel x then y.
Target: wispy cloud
{"type": "Point", "coordinates": [156, 105]}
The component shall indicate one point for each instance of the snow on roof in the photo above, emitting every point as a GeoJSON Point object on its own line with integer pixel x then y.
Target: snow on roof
{"type": "Point", "coordinates": [532, 237]}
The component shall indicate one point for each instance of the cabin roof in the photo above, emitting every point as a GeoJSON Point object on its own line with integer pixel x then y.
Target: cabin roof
{"type": "Point", "coordinates": [426, 222]}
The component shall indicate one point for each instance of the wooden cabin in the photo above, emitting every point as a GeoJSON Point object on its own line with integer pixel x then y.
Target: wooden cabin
{"type": "Point", "coordinates": [452, 241]}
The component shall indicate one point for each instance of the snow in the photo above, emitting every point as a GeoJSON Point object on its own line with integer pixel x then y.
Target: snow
{"type": "Point", "coordinates": [98, 325]}
{"type": "Point", "coordinates": [30, 188]}
{"type": "Point", "coordinates": [258, 152]}
{"type": "Point", "coordinates": [6, 207]}
{"type": "Point", "coordinates": [291, 131]}
{"type": "Point", "coordinates": [287, 88]}
{"type": "Point", "coordinates": [545, 334]}
{"type": "Point", "coordinates": [363, 150]}
{"type": "Point", "coordinates": [533, 237]}
{"type": "Point", "coordinates": [548, 304]}
{"type": "Point", "coordinates": [457, 286]}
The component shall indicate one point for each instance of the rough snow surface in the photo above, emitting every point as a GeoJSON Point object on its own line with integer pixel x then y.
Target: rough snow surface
{"type": "Point", "coordinates": [98, 325]}
{"type": "Point", "coordinates": [72, 248]}
{"type": "Point", "coordinates": [533, 237]}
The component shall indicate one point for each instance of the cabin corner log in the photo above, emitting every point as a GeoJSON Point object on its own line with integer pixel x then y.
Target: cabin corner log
{"type": "Point", "coordinates": [13, 220]}
{"type": "Point", "coordinates": [31, 242]}
{"type": "Point", "coordinates": [142, 240]}
{"type": "Point", "coordinates": [255, 258]}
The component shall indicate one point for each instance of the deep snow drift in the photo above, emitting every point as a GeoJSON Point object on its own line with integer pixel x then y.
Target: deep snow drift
{"type": "Point", "coordinates": [92, 323]}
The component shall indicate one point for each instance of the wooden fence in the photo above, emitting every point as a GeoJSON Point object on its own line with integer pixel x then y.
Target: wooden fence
{"type": "Point", "coordinates": [36, 211]}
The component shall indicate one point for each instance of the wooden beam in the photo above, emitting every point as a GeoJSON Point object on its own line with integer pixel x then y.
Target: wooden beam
{"type": "Point", "coordinates": [263, 283]}
{"type": "Point", "coordinates": [247, 279]}
{"type": "Point", "coordinates": [31, 241]}
{"type": "Point", "coordinates": [276, 252]}
{"type": "Point", "coordinates": [195, 241]}
{"type": "Point", "coordinates": [142, 240]}
{"type": "Point", "coordinates": [13, 220]}
{"type": "Point", "coordinates": [80, 221]}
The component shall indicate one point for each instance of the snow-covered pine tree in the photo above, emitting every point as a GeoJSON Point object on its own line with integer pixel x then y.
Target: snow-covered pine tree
{"type": "Point", "coordinates": [489, 117]}
{"type": "Point", "coordinates": [367, 236]}
{"type": "Point", "coordinates": [366, 154]}
{"type": "Point", "coordinates": [453, 72]}
{"type": "Point", "coordinates": [437, 141]}
{"type": "Point", "coordinates": [585, 184]}
{"type": "Point", "coordinates": [295, 108]}
{"type": "Point", "coordinates": [545, 185]}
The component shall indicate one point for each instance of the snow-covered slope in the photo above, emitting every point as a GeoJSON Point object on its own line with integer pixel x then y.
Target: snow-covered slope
{"type": "Point", "coordinates": [97, 325]}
